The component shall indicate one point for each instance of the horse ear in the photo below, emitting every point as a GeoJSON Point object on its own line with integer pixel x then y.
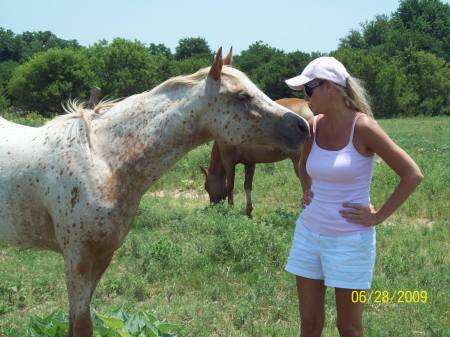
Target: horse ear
{"type": "Point", "coordinates": [205, 171]}
{"type": "Point", "coordinates": [229, 59]}
{"type": "Point", "coordinates": [216, 67]}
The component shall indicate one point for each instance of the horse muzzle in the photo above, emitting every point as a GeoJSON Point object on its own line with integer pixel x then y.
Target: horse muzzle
{"type": "Point", "coordinates": [293, 130]}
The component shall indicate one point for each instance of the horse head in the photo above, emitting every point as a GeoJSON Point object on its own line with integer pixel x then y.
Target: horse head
{"type": "Point", "coordinates": [250, 117]}
{"type": "Point", "coordinates": [215, 185]}
{"type": "Point", "coordinates": [241, 113]}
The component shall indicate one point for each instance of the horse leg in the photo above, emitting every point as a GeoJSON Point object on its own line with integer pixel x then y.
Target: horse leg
{"type": "Point", "coordinates": [296, 161]}
{"type": "Point", "coordinates": [83, 272]}
{"type": "Point", "coordinates": [249, 173]}
{"type": "Point", "coordinates": [78, 282]}
{"type": "Point", "coordinates": [230, 171]}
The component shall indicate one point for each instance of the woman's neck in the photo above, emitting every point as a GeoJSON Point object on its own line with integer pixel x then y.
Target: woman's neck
{"type": "Point", "coordinates": [338, 114]}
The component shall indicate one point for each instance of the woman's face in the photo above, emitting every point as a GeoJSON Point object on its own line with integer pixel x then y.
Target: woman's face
{"type": "Point", "coordinates": [314, 91]}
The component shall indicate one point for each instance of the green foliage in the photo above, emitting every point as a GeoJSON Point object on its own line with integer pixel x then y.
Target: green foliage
{"type": "Point", "coordinates": [190, 65]}
{"type": "Point", "coordinates": [6, 70]}
{"type": "Point", "coordinates": [269, 67]}
{"type": "Point", "coordinates": [428, 78]}
{"type": "Point", "coordinates": [426, 24]}
{"type": "Point", "coordinates": [402, 58]}
{"type": "Point", "coordinates": [124, 67]}
{"type": "Point", "coordinates": [118, 323]}
{"type": "Point", "coordinates": [192, 46]}
{"type": "Point", "coordinates": [4, 101]}
{"type": "Point", "coordinates": [49, 79]}
{"type": "Point", "coordinates": [21, 47]}
{"type": "Point", "coordinates": [8, 46]}
{"type": "Point", "coordinates": [160, 49]}
{"type": "Point", "coordinates": [30, 119]}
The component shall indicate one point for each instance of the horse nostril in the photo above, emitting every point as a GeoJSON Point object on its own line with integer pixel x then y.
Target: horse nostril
{"type": "Point", "coordinates": [303, 127]}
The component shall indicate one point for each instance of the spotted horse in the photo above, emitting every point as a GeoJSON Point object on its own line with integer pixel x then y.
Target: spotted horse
{"type": "Point", "coordinates": [73, 185]}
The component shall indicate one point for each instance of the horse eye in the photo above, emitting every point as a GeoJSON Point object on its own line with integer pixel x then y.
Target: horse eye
{"type": "Point", "coordinates": [243, 95]}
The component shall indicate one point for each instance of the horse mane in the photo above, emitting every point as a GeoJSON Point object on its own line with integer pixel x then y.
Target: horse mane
{"type": "Point", "coordinates": [76, 109]}
{"type": "Point", "coordinates": [195, 78]}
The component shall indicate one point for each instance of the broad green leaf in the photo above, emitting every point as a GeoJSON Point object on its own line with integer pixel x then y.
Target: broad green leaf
{"type": "Point", "coordinates": [123, 333]}
{"type": "Point", "coordinates": [167, 327]}
{"type": "Point", "coordinates": [152, 331]}
{"type": "Point", "coordinates": [112, 322]}
{"type": "Point", "coordinates": [150, 317]}
{"type": "Point", "coordinates": [136, 323]}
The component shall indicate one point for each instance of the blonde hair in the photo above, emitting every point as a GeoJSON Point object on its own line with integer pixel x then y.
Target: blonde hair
{"type": "Point", "coordinates": [355, 96]}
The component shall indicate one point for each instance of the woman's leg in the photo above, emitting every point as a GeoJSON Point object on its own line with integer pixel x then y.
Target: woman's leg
{"type": "Point", "coordinates": [349, 314]}
{"type": "Point", "coordinates": [311, 298]}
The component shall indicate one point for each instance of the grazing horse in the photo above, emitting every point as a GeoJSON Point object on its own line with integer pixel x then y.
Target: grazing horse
{"type": "Point", "coordinates": [219, 177]}
{"type": "Point", "coordinates": [73, 185]}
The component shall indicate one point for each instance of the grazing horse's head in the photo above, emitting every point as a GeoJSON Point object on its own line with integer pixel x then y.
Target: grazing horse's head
{"type": "Point", "coordinates": [215, 185]}
{"type": "Point", "coordinates": [238, 112]}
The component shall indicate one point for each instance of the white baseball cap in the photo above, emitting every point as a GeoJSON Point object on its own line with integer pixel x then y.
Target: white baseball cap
{"type": "Point", "coordinates": [325, 67]}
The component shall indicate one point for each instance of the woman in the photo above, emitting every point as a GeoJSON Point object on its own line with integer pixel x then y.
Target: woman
{"type": "Point", "coordinates": [334, 240]}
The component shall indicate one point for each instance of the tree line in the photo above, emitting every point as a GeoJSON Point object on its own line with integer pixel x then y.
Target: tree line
{"type": "Point", "coordinates": [403, 59]}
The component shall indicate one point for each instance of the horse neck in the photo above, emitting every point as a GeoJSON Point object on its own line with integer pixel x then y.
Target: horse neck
{"type": "Point", "coordinates": [215, 165]}
{"type": "Point", "coordinates": [141, 137]}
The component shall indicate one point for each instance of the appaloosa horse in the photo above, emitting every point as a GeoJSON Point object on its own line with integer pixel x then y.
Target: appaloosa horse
{"type": "Point", "coordinates": [73, 185]}
{"type": "Point", "coordinates": [219, 177]}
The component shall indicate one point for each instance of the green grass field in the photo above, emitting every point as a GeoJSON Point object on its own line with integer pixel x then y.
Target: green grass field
{"type": "Point", "coordinates": [215, 272]}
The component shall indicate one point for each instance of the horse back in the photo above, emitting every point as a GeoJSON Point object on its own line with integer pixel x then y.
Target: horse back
{"type": "Point", "coordinates": [297, 105]}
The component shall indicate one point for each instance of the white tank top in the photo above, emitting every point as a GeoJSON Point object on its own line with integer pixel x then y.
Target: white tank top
{"type": "Point", "coordinates": [337, 177]}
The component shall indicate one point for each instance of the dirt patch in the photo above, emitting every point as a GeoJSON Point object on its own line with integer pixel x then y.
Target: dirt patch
{"type": "Point", "coordinates": [409, 222]}
{"type": "Point", "coordinates": [176, 194]}
{"type": "Point", "coordinates": [3, 257]}
{"type": "Point", "coordinates": [424, 222]}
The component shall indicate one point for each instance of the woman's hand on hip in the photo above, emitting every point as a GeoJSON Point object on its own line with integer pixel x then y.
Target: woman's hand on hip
{"type": "Point", "coordinates": [359, 214]}
{"type": "Point", "coordinates": [306, 198]}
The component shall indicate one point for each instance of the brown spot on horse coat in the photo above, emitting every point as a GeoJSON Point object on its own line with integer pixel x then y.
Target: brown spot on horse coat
{"type": "Point", "coordinates": [75, 198]}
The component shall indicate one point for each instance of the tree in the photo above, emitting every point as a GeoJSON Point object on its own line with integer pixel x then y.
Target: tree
{"type": "Point", "coordinates": [160, 49]}
{"type": "Point", "coordinates": [6, 70]}
{"type": "Point", "coordinates": [257, 54]}
{"type": "Point", "coordinates": [192, 46]}
{"type": "Point", "coordinates": [8, 46]}
{"type": "Point", "coordinates": [268, 67]}
{"type": "Point", "coordinates": [125, 67]}
{"type": "Point", "coordinates": [429, 77]}
{"type": "Point", "coordinates": [354, 40]}
{"type": "Point", "coordinates": [49, 79]}
{"type": "Point", "coordinates": [21, 47]}
{"type": "Point", "coordinates": [375, 32]}
{"type": "Point", "coordinates": [429, 22]}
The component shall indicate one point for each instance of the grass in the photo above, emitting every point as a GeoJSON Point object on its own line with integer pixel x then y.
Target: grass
{"type": "Point", "coordinates": [215, 272]}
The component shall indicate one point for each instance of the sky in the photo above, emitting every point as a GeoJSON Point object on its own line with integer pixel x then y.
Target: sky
{"type": "Point", "coordinates": [308, 26]}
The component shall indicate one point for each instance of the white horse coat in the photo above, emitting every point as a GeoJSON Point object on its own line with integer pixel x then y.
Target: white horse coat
{"type": "Point", "coordinates": [74, 185]}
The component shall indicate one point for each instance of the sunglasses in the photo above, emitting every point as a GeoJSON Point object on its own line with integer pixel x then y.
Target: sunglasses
{"type": "Point", "coordinates": [309, 88]}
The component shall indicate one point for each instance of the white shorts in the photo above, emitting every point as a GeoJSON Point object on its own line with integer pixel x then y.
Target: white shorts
{"type": "Point", "coordinates": [341, 261]}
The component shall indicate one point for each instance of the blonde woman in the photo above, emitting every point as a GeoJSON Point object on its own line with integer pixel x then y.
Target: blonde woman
{"type": "Point", "coordinates": [334, 239]}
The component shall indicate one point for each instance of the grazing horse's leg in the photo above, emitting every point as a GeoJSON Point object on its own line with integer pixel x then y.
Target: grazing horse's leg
{"type": "Point", "coordinates": [230, 170]}
{"type": "Point", "coordinates": [249, 173]}
{"type": "Point", "coordinates": [295, 161]}
{"type": "Point", "coordinates": [83, 272]}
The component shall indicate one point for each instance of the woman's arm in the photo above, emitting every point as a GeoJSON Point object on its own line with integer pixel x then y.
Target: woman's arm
{"type": "Point", "coordinates": [377, 141]}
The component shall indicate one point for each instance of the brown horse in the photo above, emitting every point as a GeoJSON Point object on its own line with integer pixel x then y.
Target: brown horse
{"type": "Point", "coordinates": [219, 182]}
